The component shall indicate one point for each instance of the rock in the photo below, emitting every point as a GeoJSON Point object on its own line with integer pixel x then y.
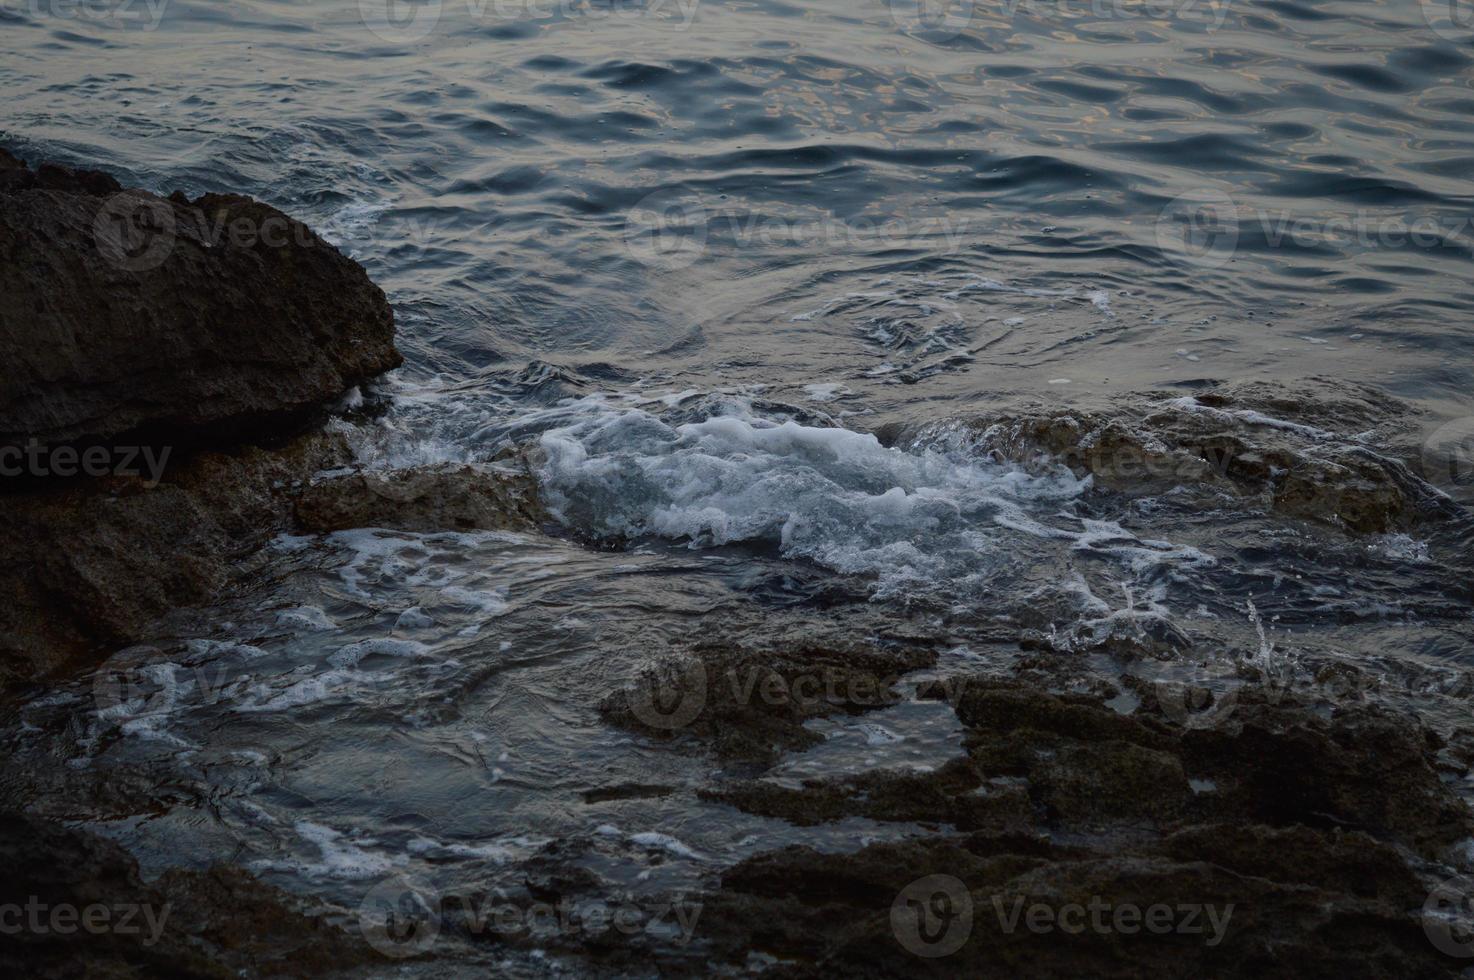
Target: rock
{"type": "Point", "coordinates": [433, 498]}
{"type": "Point", "coordinates": [1273, 763]}
{"type": "Point", "coordinates": [954, 794]}
{"type": "Point", "coordinates": [749, 703]}
{"type": "Point", "coordinates": [126, 317]}
{"type": "Point", "coordinates": [191, 336]}
{"type": "Point", "coordinates": [1363, 769]}
{"type": "Point", "coordinates": [92, 564]}
{"type": "Point", "coordinates": [1325, 905]}
{"type": "Point", "coordinates": [1316, 453]}
{"type": "Point", "coordinates": [218, 923]}
{"type": "Point", "coordinates": [1295, 833]}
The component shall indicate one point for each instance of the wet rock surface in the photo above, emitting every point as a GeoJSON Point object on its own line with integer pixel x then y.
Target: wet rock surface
{"type": "Point", "coordinates": [157, 334]}
{"type": "Point", "coordinates": [1327, 453]}
{"type": "Point", "coordinates": [1126, 757]}
{"type": "Point", "coordinates": [1309, 840]}
{"type": "Point", "coordinates": [1177, 909]}
{"type": "Point", "coordinates": [433, 498]}
{"type": "Point", "coordinates": [125, 316]}
{"type": "Point", "coordinates": [99, 918]}
{"type": "Point", "coordinates": [749, 704]}
{"type": "Point", "coordinates": [94, 563]}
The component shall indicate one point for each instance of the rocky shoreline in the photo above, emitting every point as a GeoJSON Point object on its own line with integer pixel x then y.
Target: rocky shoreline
{"type": "Point", "coordinates": [1320, 838]}
{"type": "Point", "coordinates": [1306, 835]}
{"type": "Point", "coordinates": [192, 350]}
{"type": "Point", "coordinates": [170, 365]}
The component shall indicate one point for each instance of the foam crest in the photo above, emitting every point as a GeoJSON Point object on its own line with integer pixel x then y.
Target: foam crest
{"type": "Point", "coordinates": [829, 495]}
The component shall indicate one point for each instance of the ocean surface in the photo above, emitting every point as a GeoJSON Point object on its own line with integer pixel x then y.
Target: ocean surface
{"type": "Point", "coordinates": [706, 259]}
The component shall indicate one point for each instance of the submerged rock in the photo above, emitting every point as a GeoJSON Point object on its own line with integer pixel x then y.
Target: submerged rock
{"type": "Point", "coordinates": [749, 704]}
{"type": "Point", "coordinates": [431, 498]}
{"type": "Point", "coordinates": [1317, 453]}
{"type": "Point", "coordinates": [95, 564]}
{"type": "Point", "coordinates": [124, 315]}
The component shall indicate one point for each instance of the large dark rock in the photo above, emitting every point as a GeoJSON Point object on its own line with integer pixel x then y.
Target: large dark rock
{"type": "Point", "coordinates": [124, 314]}
{"type": "Point", "coordinates": [1308, 846]}
{"type": "Point", "coordinates": [79, 908]}
{"type": "Point", "coordinates": [92, 563]}
{"type": "Point", "coordinates": [199, 332]}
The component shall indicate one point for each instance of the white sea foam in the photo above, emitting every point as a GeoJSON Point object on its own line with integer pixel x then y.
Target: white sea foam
{"type": "Point", "coordinates": [826, 392]}
{"type": "Point", "coordinates": [650, 839]}
{"type": "Point", "coordinates": [829, 495]}
{"type": "Point", "coordinates": [354, 653]}
{"type": "Point", "coordinates": [489, 603]}
{"type": "Point", "coordinates": [1249, 417]}
{"type": "Point", "coordinates": [306, 617]}
{"type": "Point", "coordinates": [499, 851]}
{"type": "Point", "coordinates": [915, 520]}
{"type": "Point", "coordinates": [664, 842]}
{"type": "Point", "coordinates": [342, 857]}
